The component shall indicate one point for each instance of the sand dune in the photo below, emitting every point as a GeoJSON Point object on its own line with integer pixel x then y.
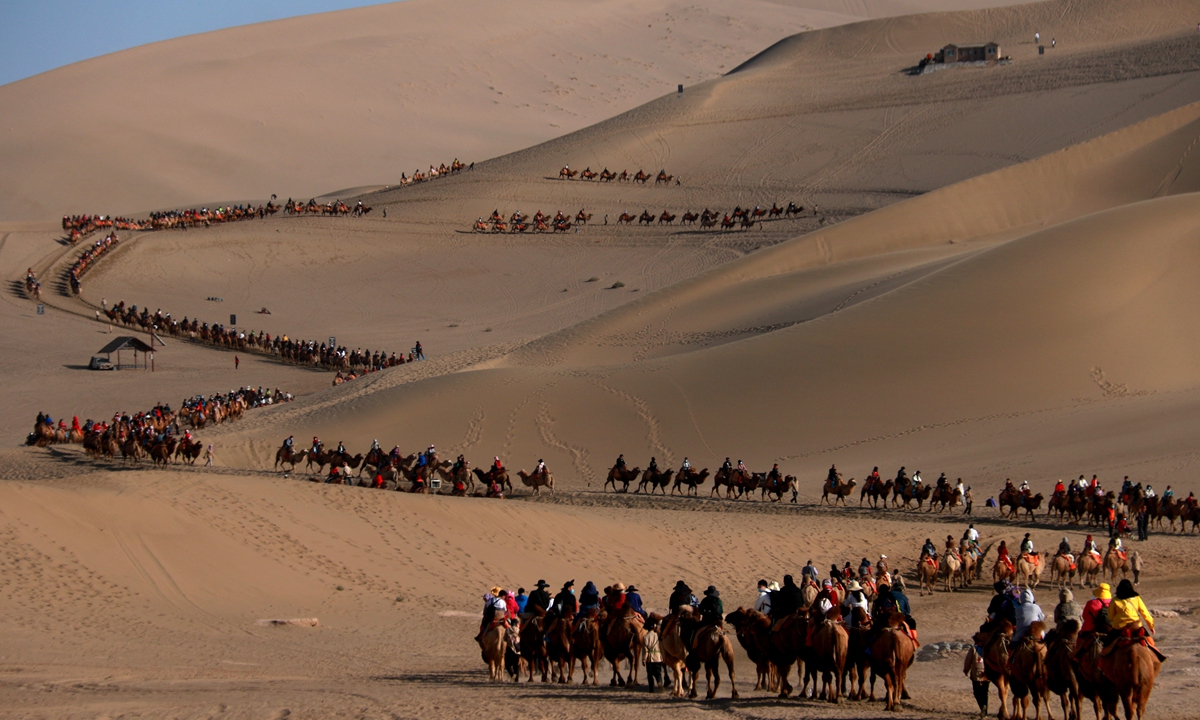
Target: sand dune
{"type": "Point", "coordinates": [310, 104]}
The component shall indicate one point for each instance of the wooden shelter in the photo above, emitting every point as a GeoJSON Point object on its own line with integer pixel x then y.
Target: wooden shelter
{"type": "Point", "coordinates": [128, 343]}
{"type": "Point", "coordinates": [985, 52]}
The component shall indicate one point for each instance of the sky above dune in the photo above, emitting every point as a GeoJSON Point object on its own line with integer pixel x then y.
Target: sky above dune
{"type": "Point", "coordinates": [40, 36]}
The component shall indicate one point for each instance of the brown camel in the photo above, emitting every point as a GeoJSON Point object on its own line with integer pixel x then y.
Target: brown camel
{"type": "Point", "coordinates": [672, 639]}
{"type": "Point", "coordinates": [831, 644]}
{"type": "Point", "coordinates": [840, 491]}
{"type": "Point", "coordinates": [995, 660]}
{"type": "Point", "coordinates": [1027, 673]}
{"type": "Point", "coordinates": [856, 655]}
{"type": "Point", "coordinates": [284, 455]}
{"type": "Point", "coordinates": [654, 479]}
{"type": "Point", "coordinates": [1029, 569]}
{"type": "Point", "coordinates": [1131, 668]}
{"type": "Point", "coordinates": [1060, 667]}
{"type": "Point", "coordinates": [951, 570]}
{"type": "Point", "coordinates": [751, 641]}
{"type": "Point", "coordinates": [617, 475]}
{"type": "Point", "coordinates": [558, 650]}
{"type": "Point", "coordinates": [585, 647]}
{"type": "Point", "coordinates": [494, 644]}
{"type": "Point", "coordinates": [691, 479]}
{"type": "Point", "coordinates": [891, 654]}
{"type": "Point", "coordinates": [927, 573]}
{"type": "Point", "coordinates": [537, 480]}
{"type": "Point", "coordinates": [1089, 569]}
{"type": "Point", "coordinates": [711, 646]}
{"type": "Point", "coordinates": [875, 491]}
{"type": "Point", "coordinates": [1115, 562]}
{"type": "Point", "coordinates": [622, 639]}
{"type": "Point", "coordinates": [1062, 571]}
{"type": "Point", "coordinates": [533, 644]}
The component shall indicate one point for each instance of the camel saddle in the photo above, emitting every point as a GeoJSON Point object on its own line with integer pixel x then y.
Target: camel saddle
{"type": "Point", "coordinates": [1130, 638]}
{"type": "Point", "coordinates": [1031, 558]}
{"type": "Point", "coordinates": [1124, 555]}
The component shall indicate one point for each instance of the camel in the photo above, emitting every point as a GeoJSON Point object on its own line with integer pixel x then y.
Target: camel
{"type": "Point", "coordinates": [927, 573]}
{"type": "Point", "coordinates": [500, 476]}
{"type": "Point", "coordinates": [750, 642]}
{"type": "Point", "coordinates": [856, 655]}
{"type": "Point", "coordinates": [654, 479]}
{"type": "Point", "coordinates": [585, 647]}
{"type": "Point", "coordinates": [830, 643]}
{"type": "Point", "coordinates": [777, 486]}
{"type": "Point", "coordinates": [1062, 571]}
{"type": "Point", "coordinates": [908, 494]}
{"type": "Point", "coordinates": [710, 646]}
{"type": "Point", "coordinates": [617, 475]}
{"type": "Point", "coordinates": [160, 453]}
{"type": "Point", "coordinates": [130, 450]}
{"type": "Point", "coordinates": [875, 491]}
{"type": "Point", "coordinates": [1029, 571]}
{"type": "Point", "coordinates": [691, 479]}
{"type": "Point", "coordinates": [533, 644]}
{"type": "Point", "coordinates": [891, 655]}
{"type": "Point", "coordinates": [494, 644]}
{"type": "Point", "coordinates": [1131, 668]}
{"type": "Point", "coordinates": [951, 569]}
{"type": "Point", "coordinates": [995, 661]}
{"type": "Point", "coordinates": [782, 645]}
{"type": "Point", "coordinates": [1089, 569]}
{"type": "Point", "coordinates": [840, 491]}
{"type": "Point", "coordinates": [284, 455]}
{"type": "Point", "coordinates": [1136, 565]}
{"type": "Point", "coordinates": [674, 649]}
{"type": "Point", "coordinates": [1115, 562]}
{"type": "Point", "coordinates": [1092, 683]}
{"type": "Point", "coordinates": [558, 650]}
{"type": "Point", "coordinates": [188, 451]}
{"type": "Point", "coordinates": [537, 480]}
{"type": "Point", "coordinates": [1060, 668]}
{"type": "Point", "coordinates": [1027, 673]}
{"type": "Point", "coordinates": [622, 639]}
{"type": "Point", "coordinates": [727, 478]}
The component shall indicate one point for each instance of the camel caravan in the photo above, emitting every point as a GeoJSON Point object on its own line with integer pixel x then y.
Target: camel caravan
{"type": "Point", "coordinates": [1103, 652]}
{"type": "Point", "coordinates": [433, 173]}
{"type": "Point", "coordinates": [641, 177]}
{"type": "Point", "coordinates": [840, 634]}
{"type": "Point", "coordinates": [423, 471]}
{"type": "Point", "coordinates": [348, 363]}
{"type": "Point", "coordinates": [1088, 499]}
{"type": "Point", "coordinates": [161, 434]}
{"type": "Point", "coordinates": [539, 222]}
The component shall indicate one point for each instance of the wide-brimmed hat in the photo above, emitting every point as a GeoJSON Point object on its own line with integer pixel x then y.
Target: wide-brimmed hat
{"type": "Point", "coordinates": [569, 583]}
{"type": "Point", "coordinates": [853, 586]}
{"type": "Point", "coordinates": [680, 585]}
{"type": "Point", "coordinates": [618, 587]}
{"type": "Point", "coordinates": [631, 589]}
{"type": "Point", "coordinates": [1103, 592]}
{"type": "Point", "coordinates": [495, 589]}
{"type": "Point", "coordinates": [542, 584]}
{"type": "Point", "coordinates": [712, 591]}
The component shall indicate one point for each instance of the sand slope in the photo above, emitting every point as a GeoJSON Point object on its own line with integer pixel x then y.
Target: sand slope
{"type": "Point", "coordinates": [306, 105]}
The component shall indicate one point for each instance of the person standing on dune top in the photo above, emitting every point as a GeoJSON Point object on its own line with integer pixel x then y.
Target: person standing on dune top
{"type": "Point", "coordinates": [418, 351]}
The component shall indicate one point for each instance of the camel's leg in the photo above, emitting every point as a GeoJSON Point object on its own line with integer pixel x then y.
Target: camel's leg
{"type": "Point", "coordinates": [712, 678]}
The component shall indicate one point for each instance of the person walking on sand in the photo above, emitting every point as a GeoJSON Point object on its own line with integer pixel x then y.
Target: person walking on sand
{"type": "Point", "coordinates": [208, 456]}
{"type": "Point", "coordinates": [419, 351]}
{"type": "Point", "coordinates": [236, 362]}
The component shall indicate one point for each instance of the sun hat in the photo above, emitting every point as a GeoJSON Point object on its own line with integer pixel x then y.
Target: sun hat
{"type": "Point", "coordinates": [495, 589]}
{"type": "Point", "coordinates": [853, 586]}
{"type": "Point", "coordinates": [618, 586]}
{"type": "Point", "coordinates": [542, 584]}
{"type": "Point", "coordinates": [712, 591]}
{"type": "Point", "coordinates": [1103, 592]}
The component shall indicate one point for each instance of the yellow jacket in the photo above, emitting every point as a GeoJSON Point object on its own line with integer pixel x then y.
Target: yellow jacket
{"type": "Point", "coordinates": [1129, 613]}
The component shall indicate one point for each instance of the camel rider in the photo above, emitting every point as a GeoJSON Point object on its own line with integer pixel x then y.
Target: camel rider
{"type": "Point", "coordinates": [565, 605]}
{"type": "Point", "coordinates": [901, 478]}
{"type": "Point", "coordinates": [1001, 607]}
{"type": "Point", "coordinates": [1027, 545]}
{"type": "Point", "coordinates": [741, 466]}
{"type": "Point", "coordinates": [727, 466]}
{"type": "Point", "coordinates": [951, 546]}
{"type": "Point", "coordinates": [786, 600]}
{"type": "Point", "coordinates": [1089, 546]}
{"type": "Point", "coordinates": [653, 466]}
{"type": "Point", "coordinates": [375, 445]}
{"type": "Point", "coordinates": [916, 479]}
{"type": "Point", "coordinates": [289, 443]}
{"type": "Point", "coordinates": [1168, 494]}
{"type": "Point", "coordinates": [971, 536]}
{"type": "Point", "coordinates": [774, 474]}
{"type": "Point", "coordinates": [1059, 489]}
{"type": "Point", "coordinates": [1126, 486]}
{"type": "Point", "coordinates": [855, 599]}
{"type": "Point", "coordinates": [942, 480]}
{"type": "Point", "coordinates": [539, 598]}
{"type": "Point", "coordinates": [1024, 489]}
{"type": "Point", "coordinates": [681, 596]}
{"type": "Point", "coordinates": [1129, 617]}
{"type": "Point", "coordinates": [873, 479]}
{"type": "Point", "coordinates": [187, 437]}
{"type": "Point", "coordinates": [1114, 543]}
{"type": "Point", "coordinates": [492, 604]}
{"type": "Point", "coordinates": [620, 463]}
{"type": "Point", "coordinates": [1149, 492]}
{"type": "Point", "coordinates": [1027, 613]}
{"type": "Point", "coordinates": [928, 550]}
{"type": "Point", "coordinates": [712, 610]}
{"type": "Point", "coordinates": [422, 460]}
{"type": "Point", "coordinates": [589, 599]}
{"type": "Point", "coordinates": [316, 446]}
{"type": "Point", "coordinates": [633, 601]}
{"type": "Point", "coordinates": [341, 449]}
{"type": "Point", "coordinates": [686, 467]}
{"type": "Point", "coordinates": [1064, 549]}
{"type": "Point", "coordinates": [1003, 556]}
{"type": "Point", "coordinates": [762, 603]}
{"type": "Point", "coordinates": [809, 572]}
{"type": "Point", "coordinates": [833, 478]}
{"type": "Point", "coordinates": [541, 467]}
{"type": "Point", "coordinates": [497, 466]}
{"type": "Point", "coordinates": [864, 568]}
{"type": "Point", "coordinates": [458, 464]}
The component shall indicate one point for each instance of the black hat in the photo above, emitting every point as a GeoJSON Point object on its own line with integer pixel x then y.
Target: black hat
{"type": "Point", "coordinates": [712, 591]}
{"type": "Point", "coordinates": [542, 584]}
{"type": "Point", "coordinates": [631, 589]}
{"type": "Point", "coordinates": [681, 585]}
{"type": "Point", "coordinates": [569, 583]}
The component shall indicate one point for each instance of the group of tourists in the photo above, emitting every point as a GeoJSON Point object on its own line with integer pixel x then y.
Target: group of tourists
{"type": "Point", "coordinates": [79, 227]}
{"type": "Point", "coordinates": [88, 258]}
{"type": "Point", "coordinates": [442, 170]}
{"type": "Point", "coordinates": [344, 360]}
{"type": "Point", "coordinates": [1019, 645]}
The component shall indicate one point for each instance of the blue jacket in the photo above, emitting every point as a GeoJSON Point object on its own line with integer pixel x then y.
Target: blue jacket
{"type": "Point", "coordinates": [634, 601]}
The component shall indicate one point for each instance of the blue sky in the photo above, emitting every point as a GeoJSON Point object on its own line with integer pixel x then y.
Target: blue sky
{"type": "Point", "coordinates": [40, 35]}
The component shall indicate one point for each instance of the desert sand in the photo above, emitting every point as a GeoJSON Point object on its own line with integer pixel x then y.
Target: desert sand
{"type": "Point", "coordinates": [997, 281]}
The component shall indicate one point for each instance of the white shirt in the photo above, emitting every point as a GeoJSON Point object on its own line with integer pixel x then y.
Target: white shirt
{"type": "Point", "coordinates": [763, 603]}
{"type": "Point", "coordinates": [973, 535]}
{"type": "Point", "coordinates": [916, 478]}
